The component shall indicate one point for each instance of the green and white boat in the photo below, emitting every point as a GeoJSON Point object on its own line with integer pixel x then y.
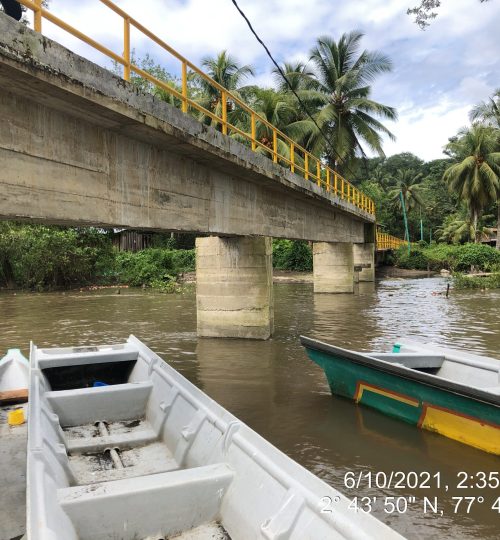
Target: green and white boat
{"type": "Point", "coordinates": [454, 393]}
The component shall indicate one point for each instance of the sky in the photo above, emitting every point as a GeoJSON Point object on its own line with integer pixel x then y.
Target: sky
{"type": "Point", "coordinates": [438, 74]}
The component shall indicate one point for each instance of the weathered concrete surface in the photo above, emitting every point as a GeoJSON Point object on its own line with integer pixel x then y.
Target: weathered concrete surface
{"type": "Point", "coordinates": [13, 441]}
{"type": "Point", "coordinates": [79, 145]}
{"type": "Point", "coordinates": [333, 267]}
{"type": "Point", "coordinates": [365, 254]}
{"type": "Point", "coordinates": [234, 292]}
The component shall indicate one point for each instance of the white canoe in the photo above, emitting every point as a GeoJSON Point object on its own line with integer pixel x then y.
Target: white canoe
{"type": "Point", "coordinates": [14, 376]}
{"type": "Point", "coordinates": [150, 456]}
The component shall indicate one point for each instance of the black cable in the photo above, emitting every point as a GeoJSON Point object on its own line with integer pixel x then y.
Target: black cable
{"type": "Point", "coordinates": [301, 103]}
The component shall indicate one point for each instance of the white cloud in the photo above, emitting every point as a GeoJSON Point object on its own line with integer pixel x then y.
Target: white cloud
{"type": "Point", "coordinates": [425, 131]}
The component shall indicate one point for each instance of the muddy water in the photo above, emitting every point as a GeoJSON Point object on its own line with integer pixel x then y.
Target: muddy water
{"type": "Point", "coordinates": [275, 389]}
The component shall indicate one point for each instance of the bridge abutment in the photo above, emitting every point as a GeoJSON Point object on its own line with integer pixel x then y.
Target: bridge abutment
{"type": "Point", "coordinates": [234, 288]}
{"type": "Point", "coordinates": [333, 267]}
{"type": "Point", "coordinates": [364, 255]}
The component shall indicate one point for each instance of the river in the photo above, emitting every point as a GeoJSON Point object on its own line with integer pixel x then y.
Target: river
{"type": "Point", "coordinates": [273, 387]}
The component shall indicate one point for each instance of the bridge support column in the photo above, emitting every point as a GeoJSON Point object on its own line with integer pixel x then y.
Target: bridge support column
{"type": "Point", "coordinates": [333, 267]}
{"type": "Point", "coordinates": [364, 255]}
{"type": "Point", "coordinates": [234, 287]}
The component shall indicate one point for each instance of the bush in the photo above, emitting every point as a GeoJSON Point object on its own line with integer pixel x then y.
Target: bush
{"type": "Point", "coordinates": [39, 257]}
{"type": "Point", "coordinates": [152, 266]}
{"type": "Point", "coordinates": [292, 255]}
{"type": "Point", "coordinates": [465, 282]}
{"type": "Point", "coordinates": [415, 260]}
{"type": "Point", "coordinates": [459, 258]}
{"type": "Point", "coordinates": [481, 256]}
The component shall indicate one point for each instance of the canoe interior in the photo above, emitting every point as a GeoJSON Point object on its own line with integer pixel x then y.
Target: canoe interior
{"type": "Point", "coordinates": [146, 455]}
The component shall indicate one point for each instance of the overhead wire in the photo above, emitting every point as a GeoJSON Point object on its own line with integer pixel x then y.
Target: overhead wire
{"type": "Point", "coordinates": [285, 78]}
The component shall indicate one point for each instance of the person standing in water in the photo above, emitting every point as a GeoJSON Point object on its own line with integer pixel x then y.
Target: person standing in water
{"type": "Point", "coordinates": [12, 8]}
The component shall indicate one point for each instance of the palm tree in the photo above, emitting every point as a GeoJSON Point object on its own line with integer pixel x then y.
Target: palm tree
{"type": "Point", "coordinates": [225, 70]}
{"type": "Point", "coordinates": [475, 176]}
{"type": "Point", "coordinates": [277, 108]}
{"type": "Point", "coordinates": [299, 75]}
{"type": "Point", "coordinates": [344, 110]}
{"type": "Point", "coordinates": [488, 112]}
{"type": "Point", "coordinates": [381, 178]}
{"type": "Point", "coordinates": [407, 183]}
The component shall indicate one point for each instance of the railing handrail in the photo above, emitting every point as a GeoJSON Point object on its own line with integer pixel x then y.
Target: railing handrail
{"type": "Point", "coordinates": [387, 241]}
{"type": "Point", "coordinates": [346, 192]}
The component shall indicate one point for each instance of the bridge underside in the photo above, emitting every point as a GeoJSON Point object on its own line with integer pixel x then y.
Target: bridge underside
{"type": "Point", "coordinates": [80, 146]}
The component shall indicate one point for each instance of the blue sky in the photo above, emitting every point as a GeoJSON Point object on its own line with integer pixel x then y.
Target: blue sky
{"type": "Point", "coordinates": [438, 73]}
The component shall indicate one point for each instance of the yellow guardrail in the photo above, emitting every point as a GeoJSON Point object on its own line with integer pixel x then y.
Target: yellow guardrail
{"type": "Point", "coordinates": [297, 159]}
{"type": "Point", "coordinates": [387, 241]}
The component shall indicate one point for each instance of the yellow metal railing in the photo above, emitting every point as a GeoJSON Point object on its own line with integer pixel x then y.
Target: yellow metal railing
{"type": "Point", "coordinates": [297, 158]}
{"type": "Point", "coordinates": [387, 241]}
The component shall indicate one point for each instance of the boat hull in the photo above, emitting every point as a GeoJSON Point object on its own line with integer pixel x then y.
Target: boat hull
{"type": "Point", "coordinates": [461, 418]}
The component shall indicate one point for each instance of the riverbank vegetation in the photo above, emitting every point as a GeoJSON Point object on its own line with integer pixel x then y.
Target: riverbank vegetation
{"type": "Point", "coordinates": [37, 257]}
{"type": "Point", "coordinates": [455, 258]}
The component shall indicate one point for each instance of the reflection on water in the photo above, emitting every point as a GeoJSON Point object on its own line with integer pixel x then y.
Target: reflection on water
{"type": "Point", "coordinates": [274, 388]}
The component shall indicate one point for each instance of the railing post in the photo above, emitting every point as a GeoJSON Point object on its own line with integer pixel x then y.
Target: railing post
{"type": "Point", "coordinates": [306, 165]}
{"type": "Point", "coordinates": [275, 146]}
{"type": "Point", "coordinates": [126, 49]}
{"type": "Point", "coordinates": [318, 172]}
{"type": "Point", "coordinates": [292, 157]}
{"type": "Point", "coordinates": [335, 183]}
{"type": "Point", "coordinates": [223, 97]}
{"type": "Point", "coordinates": [327, 179]}
{"type": "Point", "coordinates": [342, 185]}
{"type": "Point", "coordinates": [254, 131]}
{"type": "Point", "coordinates": [37, 16]}
{"type": "Point", "coordinates": [184, 88]}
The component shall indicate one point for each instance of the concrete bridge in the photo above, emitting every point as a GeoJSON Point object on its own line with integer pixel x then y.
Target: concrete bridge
{"type": "Point", "coordinates": [80, 146]}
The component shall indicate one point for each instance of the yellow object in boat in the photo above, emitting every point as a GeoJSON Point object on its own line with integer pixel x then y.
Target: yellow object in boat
{"type": "Point", "coordinates": [16, 417]}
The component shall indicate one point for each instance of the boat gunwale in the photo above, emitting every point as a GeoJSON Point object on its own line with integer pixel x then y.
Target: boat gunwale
{"type": "Point", "coordinates": [365, 359]}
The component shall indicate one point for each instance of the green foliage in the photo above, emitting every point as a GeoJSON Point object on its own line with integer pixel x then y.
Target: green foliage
{"type": "Point", "coordinates": [42, 258]}
{"type": "Point", "coordinates": [153, 266]}
{"type": "Point", "coordinates": [39, 257]}
{"type": "Point", "coordinates": [480, 256]}
{"type": "Point", "coordinates": [469, 282]}
{"type": "Point", "coordinates": [292, 255]}
{"type": "Point", "coordinates": [415, 260]}
{"type": "Point", "coordinates": [457, 258]}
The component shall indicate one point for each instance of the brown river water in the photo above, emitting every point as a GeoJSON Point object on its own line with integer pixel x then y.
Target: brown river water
{"type": "Point", "coordinates": [273, 387]}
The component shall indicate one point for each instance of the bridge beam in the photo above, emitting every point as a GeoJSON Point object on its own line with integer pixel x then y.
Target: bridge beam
{"type": "Point", "coordinates": [333, 267]}
{"type": "Point", "coordinates": [364, 255]}
{"type": "Point", "coordinates": [234, 288]}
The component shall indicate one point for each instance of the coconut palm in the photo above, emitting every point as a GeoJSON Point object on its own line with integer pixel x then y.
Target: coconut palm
{"type": "Point", "coordinates": [225, 70]}
{"type": "Point", "coordinates": [488, 112]}
{"type": "Point", "coordinates": [278, 108]}
{"type": "Point", "coordinates": [458, 228]}
{"type": "Point", "coordinates": [380, 177]}
{"type": "Point", "coordinates": [345, 111]}
{"type": "Point", "coordinates": [407, 183]}
{"type": "Point", "coordinates": [475, 175]}
{"type": "Point", "coordinates": [299, 75]}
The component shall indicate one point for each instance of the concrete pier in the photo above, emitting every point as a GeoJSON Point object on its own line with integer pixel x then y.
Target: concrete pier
{"type": "Point", "coordinates": [333, 267]}
{"type": "Point", "coordinates": [234, 293]}
{"type": "Point", "coordinates": [364, 255]}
